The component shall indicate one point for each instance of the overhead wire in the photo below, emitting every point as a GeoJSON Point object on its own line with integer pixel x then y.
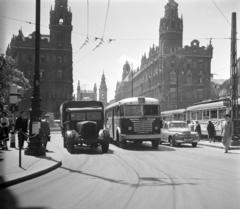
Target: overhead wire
{"type": "Point", "coordinates": [221, 13]}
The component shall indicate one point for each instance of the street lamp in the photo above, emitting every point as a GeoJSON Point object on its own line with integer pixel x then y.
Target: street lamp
{"type": "Point", "coordinates": [35, 146]}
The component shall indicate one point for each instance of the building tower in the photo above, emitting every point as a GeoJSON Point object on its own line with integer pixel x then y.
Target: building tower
{"type": "Point", "coordinates": [95, 91]}
{"type": "Point", "coordinates": [103, 91]}
{"type": "Point", "coordinates": [170, 30]}
{"type": "Point", "coordinates": [126, 70]}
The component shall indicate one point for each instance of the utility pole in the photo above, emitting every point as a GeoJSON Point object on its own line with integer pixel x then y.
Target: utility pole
{"type": "Point", "coordinates": [234, 78]}
{"type": "Point", "coordinates": [132, 79]}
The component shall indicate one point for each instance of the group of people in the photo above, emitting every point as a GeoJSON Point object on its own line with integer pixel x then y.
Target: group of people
{"type": "Point", "coordinates": [226, 131]}
{"type": "Point", "coordinates": [21, 126]}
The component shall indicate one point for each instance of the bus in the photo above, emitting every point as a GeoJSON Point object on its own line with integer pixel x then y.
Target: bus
{"type": "Point", "coordinates": [135, 119]}
{"type": "Point", "coordinates": [170, 115]}
{"type": "Point", "coordinates": [213, 110]}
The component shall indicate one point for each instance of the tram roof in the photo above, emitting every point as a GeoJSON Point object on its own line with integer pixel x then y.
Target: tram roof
{"type": "Point", "coordinates": [178, 111]}
{"type": "Point", "coordinates": [134, 101]}
{"type": "Point", "coordinates": [212, 105]}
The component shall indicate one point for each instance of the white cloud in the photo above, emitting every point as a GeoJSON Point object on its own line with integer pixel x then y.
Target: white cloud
{"type": "Point", "coordinates": [133, 62]}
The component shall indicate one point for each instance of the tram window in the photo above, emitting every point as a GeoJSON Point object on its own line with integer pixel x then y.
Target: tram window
{"type": "Point", "coordinates": [213, 114]}
{"type": "Point", "coordinates": [193, 115]}
{"type": "Point", "coordinates": [221, 113]}
{"type": "Point", "coordinates": [205, 114]}
{"type": "Point", "coordinates": [199, 115]}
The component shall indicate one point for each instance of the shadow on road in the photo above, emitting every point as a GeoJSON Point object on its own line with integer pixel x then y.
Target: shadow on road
{"type": "Point", "coordinates": [91, 151]}
{"type": "Point", "coordinates": [143, 147]}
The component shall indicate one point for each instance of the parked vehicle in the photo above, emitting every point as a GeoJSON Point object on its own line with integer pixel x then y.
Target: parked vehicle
{"type": "Point", "coordinates": [177, 133]}
{"type": "Point", "coordinates": [82, 124]}
{"type": "Point", "coordinates": [135, 119]}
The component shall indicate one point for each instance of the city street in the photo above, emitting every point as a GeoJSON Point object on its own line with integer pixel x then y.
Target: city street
{"type": "Point", "coordinates": [137, 177]}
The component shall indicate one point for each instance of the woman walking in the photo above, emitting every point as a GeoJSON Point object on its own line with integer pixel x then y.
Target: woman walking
{"type": "Point", "coordinates": [211, 131]}
{"type": "Point", "coordinates": [4, 136]}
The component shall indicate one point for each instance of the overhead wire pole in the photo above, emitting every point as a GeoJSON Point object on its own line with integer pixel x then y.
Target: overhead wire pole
{"type": "Point", "coordinates": [132, 80]}
{"type": "Point", "coordinates": [233, 78]}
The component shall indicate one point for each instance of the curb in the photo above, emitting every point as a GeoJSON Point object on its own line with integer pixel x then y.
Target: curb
{"type": "Point", "coordinates": [30, 176]}
{"type": "Point", "coordinates": [219, 147]}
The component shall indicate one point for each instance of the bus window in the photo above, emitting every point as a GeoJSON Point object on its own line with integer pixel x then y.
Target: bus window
{"type": "Point", "coordinates": [199, 115]}
{"type": "Point", "coordinates": [150, 109]}
{"type": "Point", "coordinates": [221, 113]}
{"type": "Point", "coordinates": [206, 114]}
{"type": "Point", "coordinates": [213, 114]}
{"type": "Point", "coordinates": [133, 110]}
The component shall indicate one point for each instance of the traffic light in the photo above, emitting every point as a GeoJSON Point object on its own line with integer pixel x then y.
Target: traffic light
{"type": "Point", "coordinates": [15, 94]}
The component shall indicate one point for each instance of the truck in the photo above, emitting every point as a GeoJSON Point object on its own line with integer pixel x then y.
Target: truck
{"type": "Point", "coordinates": [82, 124]}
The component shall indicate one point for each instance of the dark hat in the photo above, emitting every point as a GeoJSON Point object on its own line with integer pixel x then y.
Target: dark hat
{"type": "Point", "coordinates": [227, 115]}
{"type": "Point", "coordinates": [46, 115]}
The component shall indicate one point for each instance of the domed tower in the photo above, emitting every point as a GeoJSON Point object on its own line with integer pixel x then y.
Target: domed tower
{"type": "Point", "coordinates": [103, 91]}
{"type": "Point", "coordinates": [170, 30]}
{"type": "Point", "coordinates": [126, 70]}
{"type": "Point", "coordinates": [61, 25]}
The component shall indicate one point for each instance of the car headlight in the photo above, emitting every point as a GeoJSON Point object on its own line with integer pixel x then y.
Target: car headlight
{"type": "Point", "coordinates": [129, 128]}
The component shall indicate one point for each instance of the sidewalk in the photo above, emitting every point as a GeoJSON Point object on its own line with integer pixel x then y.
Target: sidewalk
{"type": "Point", "coordinates": [31, 166]}
{"type": "Point", "coordinates": [217, 144]}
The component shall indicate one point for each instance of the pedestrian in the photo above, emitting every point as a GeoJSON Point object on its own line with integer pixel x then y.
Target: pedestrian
{"type": "Point", "coordinates": [22, 127]}
{"type": "Point", "coordinates": [4, 134]}
{"type": "Point", "coordinates": [227, 132]}
{"type": "Point", "coordinates": [198, 129]}
{"type": "Point", "coordinates": [45, 128]}
{"type": "Point", "coordinates": [211, 131]}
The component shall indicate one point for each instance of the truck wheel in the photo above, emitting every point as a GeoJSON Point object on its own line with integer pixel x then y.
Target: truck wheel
{"type": "Point", "coordinates": [155, 144]}
{"type": "Point", "coordinates": [105, 147]}
{"type": "Point", "coordinates": [194, 144]}
{"type": "Point", "coordinates": [70, 148]}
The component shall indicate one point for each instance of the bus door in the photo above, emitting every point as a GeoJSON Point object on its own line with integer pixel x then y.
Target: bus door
{"type": "Point", "coordinates": [113, 123]}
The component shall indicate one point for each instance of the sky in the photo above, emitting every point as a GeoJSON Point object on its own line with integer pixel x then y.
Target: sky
{"type": "Point", "coordinates": [133, 27]}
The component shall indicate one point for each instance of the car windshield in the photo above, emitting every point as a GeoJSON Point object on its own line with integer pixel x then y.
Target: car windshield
{"type": "Point", "coordinates": [178, 125]}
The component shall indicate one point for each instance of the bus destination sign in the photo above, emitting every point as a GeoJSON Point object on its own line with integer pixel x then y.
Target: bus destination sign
{"type": "Point", "coordinates": [141, 100]}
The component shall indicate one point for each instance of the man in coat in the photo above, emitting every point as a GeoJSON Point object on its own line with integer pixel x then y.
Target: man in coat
{"type": "Point", "coordinates": [227, 132]}
{"type": "Point", "coordinates": [45, 131]}
{"type": "Point", "coordinates": [21, 126]}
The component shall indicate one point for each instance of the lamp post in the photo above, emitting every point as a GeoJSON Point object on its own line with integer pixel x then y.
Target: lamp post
{"type": "Point", "coordinates": [35, 146]}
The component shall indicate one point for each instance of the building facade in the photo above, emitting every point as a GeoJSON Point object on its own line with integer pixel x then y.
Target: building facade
{"type": "Point", "coordinates": [83, 94]}
{"type": "Point", "coordinates": [178, 76]}
{"type": "Point", "coordinates": [56, 79]}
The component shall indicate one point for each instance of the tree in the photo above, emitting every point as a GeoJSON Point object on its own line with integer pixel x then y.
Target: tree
{"type": "Point", "coordinates": [9, 74]}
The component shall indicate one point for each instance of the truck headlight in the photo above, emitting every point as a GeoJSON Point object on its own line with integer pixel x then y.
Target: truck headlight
{"type": "Point", "coordinates": [129, 128]}
{"type": "Point", "coordinates": [156, 128]}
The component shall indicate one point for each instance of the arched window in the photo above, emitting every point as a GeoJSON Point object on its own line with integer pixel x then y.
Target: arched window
{"type": "Point", "coordinates": [200, 77]}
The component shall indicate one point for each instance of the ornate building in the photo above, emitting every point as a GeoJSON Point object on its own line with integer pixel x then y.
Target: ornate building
{"type": "Point", "coordinates": [178, 76]}
{"type": "Point", "coordinates": [55, 60]}
{"type": "Point", "coordinates": [103, 91]}
{"type": "Point", "coordinates": [85, 94]}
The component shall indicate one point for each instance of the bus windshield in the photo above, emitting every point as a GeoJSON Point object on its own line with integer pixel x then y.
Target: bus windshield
{"type": "Point", "coordinates": [150, 110]}
{"type": "Point", "coordinates": [132, 110]}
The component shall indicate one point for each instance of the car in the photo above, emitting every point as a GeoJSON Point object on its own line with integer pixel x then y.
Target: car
{"type": "Point", "coordinates": [82, 124]}
{"type": "Point", "coordinates": [177, 133]}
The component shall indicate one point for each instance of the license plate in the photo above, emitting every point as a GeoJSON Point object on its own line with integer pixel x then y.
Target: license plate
{"type": "Point", "coordinates": [188, 140]}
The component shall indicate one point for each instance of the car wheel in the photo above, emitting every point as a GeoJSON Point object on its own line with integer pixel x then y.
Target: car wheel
{"type": "Point", "coordinates": [70, 148]}
{"type": "Point", "coordinates": [160, 142]}
{"type": "Point", "coordinates": [155, 144]}
{"type": "Point", "coordinates": [172, 142]}
{"type": "Point", "coordinates": [105, 147]}
{"type": "Point", "coordinates": [179, 144]}
{"type": "Point", "coordinates": [64, 142]}
{"type": "Point", "coordinates": [194, 144]}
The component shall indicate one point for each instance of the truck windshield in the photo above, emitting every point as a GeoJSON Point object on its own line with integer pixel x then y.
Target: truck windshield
{"type": "Point", "coordinates": [76, 116]}
{"type": "Point", "coordinates": [94, 116]}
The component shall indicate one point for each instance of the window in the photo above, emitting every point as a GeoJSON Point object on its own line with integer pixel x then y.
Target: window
{"type": "Point", "coordinates": [172, 64]}
{"type": "Point", "coordinates": [60, 60]}
{"type": "Point", "coordinates": [206, 115]}
{"type": "Point", "coordinates": [76, 116]}
{"type": "Point", "coordinates": [173, 77]}
{"type": "Point", "coordinates": [59, 74]}
{"type": "Point", "coordinates": [199, 115]}
{"type": "Point", "coordinates": [41, 73]}
{"type": "Point", "coordinates": [200, 64]}
{"type": "Point", "coordinates": [42, 59]}
{"type": "Point", "coordinates": [133, 110]}
{"type": "Point", "coordinates": [200, 93]}
{"type": "Point", "coordinates": [193, 115]}
{"type": "Point", "coordinates": [60, 21]}
{"type": "Point", "coordinates": [189, 77]}
{"type": "Point", "coordinates": [221, 113]}
{"type": "Point", "coordinates": [150, 110]}
{"type": "Point", "coordinates": [94, 116]}
{"type": "Point", "coordinates": [213, 114]}
{"type": "Point", "coordinates": [29, 59]}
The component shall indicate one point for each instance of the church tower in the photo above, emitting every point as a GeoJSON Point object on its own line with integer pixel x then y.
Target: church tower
{"type": "Point", "coordinates": [103, 91]}
{"type": "Point", "coordinates": [126, 70]}
{"type": "Point", "coordinates": [170, 30]}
